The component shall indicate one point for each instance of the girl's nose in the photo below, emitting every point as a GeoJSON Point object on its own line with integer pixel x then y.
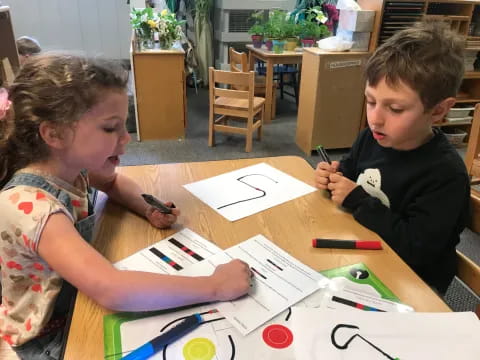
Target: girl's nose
{"type": "Point", "coordinates": [125, 137]}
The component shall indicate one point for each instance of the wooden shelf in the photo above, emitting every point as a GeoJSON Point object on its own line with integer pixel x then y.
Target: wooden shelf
{"type": "Point", "coordinates": [467, 100]}
{"type": "Point", "coordinates": [472, 75]}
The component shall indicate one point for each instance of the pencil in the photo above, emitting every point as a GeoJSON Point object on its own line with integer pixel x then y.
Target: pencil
{"type": "Point", "coordinates": [323, 154]}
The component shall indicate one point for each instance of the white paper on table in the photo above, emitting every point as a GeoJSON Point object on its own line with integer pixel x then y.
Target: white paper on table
{"type": "Point", "coordinates": [170, 255]}
{"type": "Point", "coordinates": [279, 282]}
{"type": "Point", "coordinates": [274, 340]}
{"type": "Point", "coordinates": [240, 193]}
{"type": "Point", "coordinates": [439, 336]}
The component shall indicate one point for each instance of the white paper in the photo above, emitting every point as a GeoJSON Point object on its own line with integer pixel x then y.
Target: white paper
{"type": "Point", "coordinates": [412, 336]}
{"type": "Point", "coordinates": [279, 282]}
{"type": "Point", "coordinates": [273, 340]}
{"type": "Point", "coordinates": [167, 255]}
{"type": "Point", "coordinates": [247, 191]}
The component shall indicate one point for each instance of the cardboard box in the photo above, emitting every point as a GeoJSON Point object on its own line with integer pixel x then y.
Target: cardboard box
{"type": "Point", "coordinates": [356, 20]}
{"type": "Point", "coordinates": [360, 39]}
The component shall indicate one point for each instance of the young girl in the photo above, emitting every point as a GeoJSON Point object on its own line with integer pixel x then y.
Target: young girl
{"type": "Point", "coordinates": [65, 130]}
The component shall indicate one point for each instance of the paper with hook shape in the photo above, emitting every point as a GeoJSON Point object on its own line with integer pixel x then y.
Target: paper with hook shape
{"type": "Point", "coordinates": [243, 192]}
{"type": "Point", "coordinates": [400, 335]}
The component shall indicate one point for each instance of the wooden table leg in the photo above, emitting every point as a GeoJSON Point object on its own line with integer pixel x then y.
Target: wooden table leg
{"type": "Point", "coordinates": [268, 91]}
{"type": "Point", "coordinates": [251, 60]}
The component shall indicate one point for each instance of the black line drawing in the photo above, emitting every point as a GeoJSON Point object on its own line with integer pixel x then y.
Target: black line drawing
{"type": "Point", "coordinates": [289, 313]}
{"type": "Point", "coordinates": [345, 346]}
{"type": "Point", "coordinates": [253, 187]}
{"type": "Point", "coordinates": [164, 352]}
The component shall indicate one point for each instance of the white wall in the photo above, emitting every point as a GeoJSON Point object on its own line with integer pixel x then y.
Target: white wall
{"type": "Point", "coordinates": [94, 27]}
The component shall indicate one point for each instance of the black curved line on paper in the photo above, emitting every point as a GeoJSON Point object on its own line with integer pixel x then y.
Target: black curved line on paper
{"type": "Point", "coordinates": [253, 187]}
{"type": "Point", "coordinates": [232, 344]}
{"type": "Point", "coordinates": [164, 351]}
{"type": "Point", "coordinates": [345, 346]}
{"type": "Point", "coordinates": [289, 313]}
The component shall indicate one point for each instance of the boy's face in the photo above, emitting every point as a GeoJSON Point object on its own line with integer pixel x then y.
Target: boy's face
{"type": "Point", "coordinates": [397, 117]}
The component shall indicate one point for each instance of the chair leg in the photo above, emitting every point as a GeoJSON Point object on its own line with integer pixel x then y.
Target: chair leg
{"type": "Point", "coordinates": [295, 87]}
{"type": "Point", "coordinates": [211, 131]}
{"type": "Point", "coordinates": [274, 102]}
{"type": "Point", "coordinates": [281, 85]}
{"type": "Point", "coordinates": [260, 129]}
{"type": "Point", "coordinates": [249, 134]}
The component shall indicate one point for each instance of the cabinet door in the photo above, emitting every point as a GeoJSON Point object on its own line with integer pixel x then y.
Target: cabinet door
{"type": "Point", "coordinates": [159, 85]}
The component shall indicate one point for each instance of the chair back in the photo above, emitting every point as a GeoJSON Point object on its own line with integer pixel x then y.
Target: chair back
{"type": "Point", "coordinates": [238, 60]}
{"type": "Point", "coordinates": [472, 155]}
{"type": "Point", "coordinates": [239, 85]}
{"type": "Point", "coordinates": [467, 270]}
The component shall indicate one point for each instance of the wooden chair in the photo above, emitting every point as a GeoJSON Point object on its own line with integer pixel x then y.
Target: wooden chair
{"type": "Point", "coordinates": [472, 156]}
{"type": "Point", "coordinates": [239, 62]}
{"type": "Point", "coordinates": [236, 103]}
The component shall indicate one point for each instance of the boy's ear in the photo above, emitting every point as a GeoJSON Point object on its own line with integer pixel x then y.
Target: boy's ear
{"type": "Point", "coordinates": [441, 109]}
{"type": "Point", "coordinates": [52, 135]}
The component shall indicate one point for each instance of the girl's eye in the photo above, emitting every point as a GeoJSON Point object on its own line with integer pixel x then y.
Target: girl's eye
{"type": "Point", "coordinates": [109, 130]}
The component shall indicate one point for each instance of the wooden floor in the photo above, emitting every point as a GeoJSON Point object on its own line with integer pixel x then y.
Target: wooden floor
{"type": "Point", "coordinates": [6, 353]}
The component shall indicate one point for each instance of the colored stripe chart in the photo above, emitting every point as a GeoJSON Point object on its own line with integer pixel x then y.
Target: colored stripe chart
{"type": "Point", "coordinates": [170, 255]}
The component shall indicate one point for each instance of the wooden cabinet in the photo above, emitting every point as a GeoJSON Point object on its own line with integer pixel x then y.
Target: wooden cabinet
{"type": "Point", "coordinates": [462, 15]}
{"type": "Point", "coordinates": [331, 98]}
{"type": "Point", "coordinates": [159, 88]}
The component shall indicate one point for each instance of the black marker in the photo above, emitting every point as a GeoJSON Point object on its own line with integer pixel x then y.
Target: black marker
{"type": "Point", "coordinates": [157, 204]}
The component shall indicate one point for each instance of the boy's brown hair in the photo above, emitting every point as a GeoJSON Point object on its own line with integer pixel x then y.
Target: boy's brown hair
{"type": "Point", "coordinates": [428, 57]}
{"type": "Point", "coordinates": [28, 46]}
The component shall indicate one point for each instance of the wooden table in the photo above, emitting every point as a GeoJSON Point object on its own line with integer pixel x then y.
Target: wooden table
{"type": "Point", "coordinates": [291, 225]}
{"type": "Point", "coordinates": [270, 59]}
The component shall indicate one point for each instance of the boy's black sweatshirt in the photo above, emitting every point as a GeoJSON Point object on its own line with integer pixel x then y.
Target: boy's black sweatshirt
{"type": "Point", "coordinates": [428, 191]}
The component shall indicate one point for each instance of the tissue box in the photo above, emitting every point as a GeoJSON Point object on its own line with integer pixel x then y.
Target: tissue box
{"type": "Point", "coordinates": [356, 20]}
{"type": "Point", "coordinates": [360, 39]}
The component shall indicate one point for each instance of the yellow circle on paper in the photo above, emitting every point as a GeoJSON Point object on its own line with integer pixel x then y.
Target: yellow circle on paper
{"type": "Point", "coordinates": [199, 349]}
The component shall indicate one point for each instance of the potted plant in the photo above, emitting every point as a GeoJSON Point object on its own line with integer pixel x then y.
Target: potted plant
{"type": "Point", "coordinates": [312, 27]}
{"type": "Point", "coordinates": [257, 29]}
{"type": "Point", "coordinates": [276, 28]}
{"type": "Point", "coordinates": [291, 30]}
{"type": "Point", "coordinates": [144, 22]}
{"type": "Point", "coordinates": [169, 29]}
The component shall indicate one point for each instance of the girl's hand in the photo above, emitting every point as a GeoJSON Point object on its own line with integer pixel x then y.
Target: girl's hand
{"type": "Point", "coordinates": [340, 187]}
{"type": "Point", "coordinates": [159, 219]}
{"type": "Point", "coordinates": [231, 280]}
{"type": "Point", "coordinates": [322, 173]}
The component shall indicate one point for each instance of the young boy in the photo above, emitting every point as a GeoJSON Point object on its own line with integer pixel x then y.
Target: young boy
{"type": "Point", "coordinates": [27, 46]}
{"type": "Point", "coordinates": [402, 178]}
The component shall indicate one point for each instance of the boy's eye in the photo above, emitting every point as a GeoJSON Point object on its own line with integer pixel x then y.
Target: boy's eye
{"type": "Point", "coordinates": [396, 110]}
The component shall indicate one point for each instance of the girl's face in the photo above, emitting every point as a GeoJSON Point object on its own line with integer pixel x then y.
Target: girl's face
{"type": "Point", "coordinates": [99, 137]}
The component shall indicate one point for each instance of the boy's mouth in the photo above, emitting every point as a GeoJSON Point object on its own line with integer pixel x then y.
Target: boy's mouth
{"type": "Point", "coordinates": [115, 160]}
{"type": "Point", "coordinates": [378, 135]}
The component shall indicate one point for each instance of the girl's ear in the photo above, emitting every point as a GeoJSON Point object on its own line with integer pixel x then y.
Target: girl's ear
{"type": "Point", "coordinates": [441, 109]}
{"type": "Point", "coordinates": [52, 135]}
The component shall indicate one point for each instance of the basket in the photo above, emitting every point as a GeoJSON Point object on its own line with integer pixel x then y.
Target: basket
{"type": "Point", "coordinates": [455, 136]}
{"type": "Point", "coordinates": [459, 112]}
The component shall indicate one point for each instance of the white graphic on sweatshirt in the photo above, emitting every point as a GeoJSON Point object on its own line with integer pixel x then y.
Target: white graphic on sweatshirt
{"type": "Point", "coordinates": [371, 181]}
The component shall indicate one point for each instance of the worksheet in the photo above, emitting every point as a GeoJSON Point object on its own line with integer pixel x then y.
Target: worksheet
{"type": "Point", "coordinates": [240, 193]}
{"type": "Point", "coordinates": [214, 339]}
{"type": "Point", "coordinates": [279, 281]}
{"type": "Point", "coordinates": [368, 335]}
{"type": "Point", "coordinates": [170, 255]}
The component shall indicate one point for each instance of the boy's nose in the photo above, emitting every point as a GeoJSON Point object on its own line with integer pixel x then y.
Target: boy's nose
{"type": "Point", "coordinates": [375, 116]}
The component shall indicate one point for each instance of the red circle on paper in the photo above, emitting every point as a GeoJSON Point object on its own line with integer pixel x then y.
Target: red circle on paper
{"type": "Point", "coordinates": [277, 336]}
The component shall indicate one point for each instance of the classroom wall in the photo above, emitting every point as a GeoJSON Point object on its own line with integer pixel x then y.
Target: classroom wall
{"type": "Point", "coordinates": [94, 27]}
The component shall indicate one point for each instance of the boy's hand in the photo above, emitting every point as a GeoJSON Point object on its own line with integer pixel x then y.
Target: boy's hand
{"type": "Point", "coordinates": [159, 219]}
{"type": "Point", "coordinates": [231, 280]}
{"type": "Point", "coordinates": [340, 187]}
{"type": "Point", "coordinates": [322, 173]}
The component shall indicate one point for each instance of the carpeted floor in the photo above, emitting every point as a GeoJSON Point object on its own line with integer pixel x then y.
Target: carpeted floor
{"type": "Point", "coordinates": [279, 139]}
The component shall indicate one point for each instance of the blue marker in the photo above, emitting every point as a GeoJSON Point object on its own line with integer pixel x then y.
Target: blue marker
{"type": "Point", "coordinates": [156, 344]}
